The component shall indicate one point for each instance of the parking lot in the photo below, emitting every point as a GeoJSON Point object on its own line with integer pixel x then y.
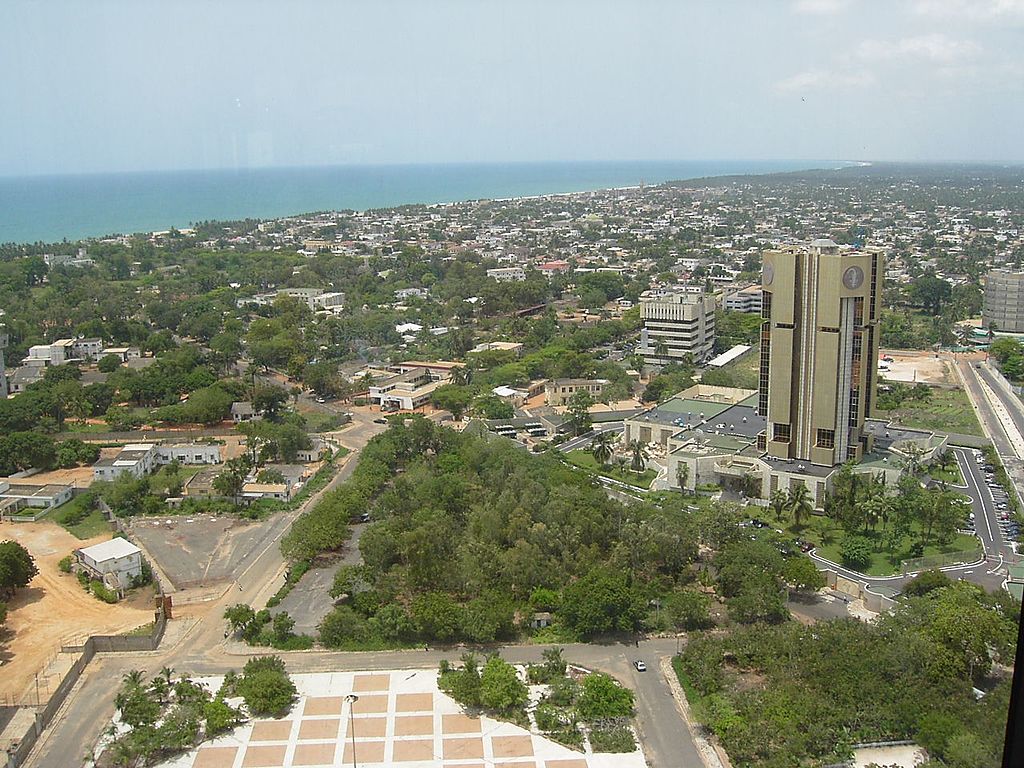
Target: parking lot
{"type": "Point", "coordinates": [201, 550]}
{"type": "Point", "coordinates": [991, 518]}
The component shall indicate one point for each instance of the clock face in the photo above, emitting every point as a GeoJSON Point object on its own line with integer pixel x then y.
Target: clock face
{"type": "Point", "coordinates": [767, 274]}
{"type": "Point", "coordinates": [853, 278]}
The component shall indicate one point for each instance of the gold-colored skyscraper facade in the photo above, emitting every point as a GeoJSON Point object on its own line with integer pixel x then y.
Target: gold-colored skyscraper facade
{"type": "Point", "coordinates": [819, 350]}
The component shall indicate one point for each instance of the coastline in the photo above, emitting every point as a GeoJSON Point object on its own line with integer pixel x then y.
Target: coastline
{"type": "Point", "coordinates": [50, 209]}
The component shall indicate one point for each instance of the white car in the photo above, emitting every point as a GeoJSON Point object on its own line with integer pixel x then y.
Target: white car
{"type": "Point", "coordinates": [640, 666]}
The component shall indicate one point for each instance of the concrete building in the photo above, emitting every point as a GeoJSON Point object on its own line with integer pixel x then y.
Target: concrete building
{"type": "Point", "coordinates": [125, 353]}
{"type": "Point", "coordinates": [514, 347]}
{"type": "Point", "coordinates": [115, 562]}
{"type": "Point", "coordinates": [242, 410]}
{"type": "Point", "coordinates": [819, 347]}
{"type": "Point", "coordinates": [1004, 301]}
{"type": "Point", "coordinates": [409, 389]}
{"type": "Point", "coordinates": [747, 300]}
{"type": "Point", "coordinates": [558, 391]}
{"type": "Point", "coordinates": [16, 493]}
{"type": "Point", "coordinates": [676, 326]}
{"type": "Point", "coordinates": [188, 453]}
{"type": "Point", "coordinates": [507, 274]}
{"type": "Point", "coordinates": [139, 459]}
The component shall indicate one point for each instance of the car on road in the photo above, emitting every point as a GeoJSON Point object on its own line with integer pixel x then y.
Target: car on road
{"type": "Point", "coordinates": [321, 399]}
{"type": "Point", "coordinates": [380, 421]}
{"type": "Point", "coordinates": [640, 666]}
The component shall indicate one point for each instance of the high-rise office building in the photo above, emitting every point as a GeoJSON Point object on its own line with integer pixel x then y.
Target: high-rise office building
{"type": "Point", "coordinates": [1004, 301]}
{"type": "Point", "coordinates": [819, 351]}
{"type": "Point", "coordinates": [677, 326]}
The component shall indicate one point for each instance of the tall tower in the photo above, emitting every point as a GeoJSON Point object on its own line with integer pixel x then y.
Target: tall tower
{"type": "Point", "coordinates": [819, 350]}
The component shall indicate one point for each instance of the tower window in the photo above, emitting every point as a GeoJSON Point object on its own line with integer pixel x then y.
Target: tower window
{"type": "Point", "coordinates": [826, 438]}
{"type": "Point", "coordinates": [780, 433]}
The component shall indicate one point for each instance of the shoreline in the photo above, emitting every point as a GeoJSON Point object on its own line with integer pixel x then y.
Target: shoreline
{"type": "Point", "coordinates": [67, 199]}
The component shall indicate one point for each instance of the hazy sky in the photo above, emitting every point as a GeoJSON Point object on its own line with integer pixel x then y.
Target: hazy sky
{"type": "Point", "coordinates": [105, 85]}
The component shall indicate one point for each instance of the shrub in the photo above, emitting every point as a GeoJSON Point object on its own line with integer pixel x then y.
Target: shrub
{"type": "Point", "coordinates": [65, 564]}
{"type": "Point", "coordinates": [102, 592]}
{"type": "Point", "coordinates": [266, 687]}
{"type": "Point", "coordinates": [617, 738]}
{"type": "Point", "coordinates": [602, 697]}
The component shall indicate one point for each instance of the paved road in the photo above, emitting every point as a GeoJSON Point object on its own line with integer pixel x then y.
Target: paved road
{"type": "Point", "coordinates": [587, 439]}
{"type": "Point", "coordinates": [663, 734]}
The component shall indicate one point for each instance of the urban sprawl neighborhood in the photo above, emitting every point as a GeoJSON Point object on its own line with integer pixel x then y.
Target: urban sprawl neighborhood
{"type": "Point", "coordinates": [705, 473]}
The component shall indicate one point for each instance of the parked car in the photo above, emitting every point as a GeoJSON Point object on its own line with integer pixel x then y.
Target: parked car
{"type": "Point", "coordinates": [640, 666]}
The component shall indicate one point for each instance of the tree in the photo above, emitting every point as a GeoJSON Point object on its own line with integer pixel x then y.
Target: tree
{"type": "Point", "coordinates": [602, 698]}
{"type": "Point", "coordinates": [601, 448]}
{"type": "Point", "coordinates": [578, 411]}
{"type": "Point", "coordinates": [856, 552]}
{"type": "Point", "coordinates": [778, 504]}
{"type": "Point", "coordinates": [802, 574]}
{"type": "Point", "coordinates": [269, 401]}
{"type": "Point", "coordinates": [232, 479]}
{"type": "Point", "coordinates": [799, 501]}
{"type": "Point", "coordinates": [688, 609]}
{"type": "Point", "coordinates": [109, 363]}
{"type": "Point", "coordinates": [638, 462]}
{"type": "Point", "coordinates": [266, 687]}
{"type": "Point", "coordinates": [500, 687]}
{"type": "Point", "coordinates": [602, 601]}
{"type": "Point", "coordinates": [452, 398]}
{"type": "Point", "coordinates": [17, 568]}
{"type": "Point", "coordinates": [682, 476]}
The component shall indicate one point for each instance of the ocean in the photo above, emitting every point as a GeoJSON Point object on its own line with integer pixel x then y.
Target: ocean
{"type": "Point", "coordinates": [54, 208]}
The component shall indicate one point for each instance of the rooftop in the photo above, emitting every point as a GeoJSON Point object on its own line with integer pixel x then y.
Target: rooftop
{"type": "Point", "coordinates": [110, 550]}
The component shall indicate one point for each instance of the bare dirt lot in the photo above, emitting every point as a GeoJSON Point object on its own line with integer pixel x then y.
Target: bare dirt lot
{"type": "Point", "coordinates": [54, 609]}
{"type": "Point", "coordinates": [922, 367]}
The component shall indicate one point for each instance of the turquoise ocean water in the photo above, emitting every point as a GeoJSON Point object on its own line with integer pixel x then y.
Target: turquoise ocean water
{"type": "Point", "coordinates": [52, 208]}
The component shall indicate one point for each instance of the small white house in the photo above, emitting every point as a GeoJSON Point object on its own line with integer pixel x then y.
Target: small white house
{"type": "Point", "coordinates": [115, 562]}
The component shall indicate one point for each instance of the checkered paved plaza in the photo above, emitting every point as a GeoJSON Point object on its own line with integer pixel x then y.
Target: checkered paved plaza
{"type": "Point", "coordinates": [399, 719]}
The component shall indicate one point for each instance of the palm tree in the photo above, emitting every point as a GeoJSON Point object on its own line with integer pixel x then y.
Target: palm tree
{"type": "Point", "coordinates": [462, 376]}
{"type": "Point", "coordinates": [799, 502]}
{"type": "Point", "coordinates": [682, 475]}
{"type": "Point", "coordinates": [640, 456]}
{"type": "Point", "coordinates": [601, 448]}
{"type": "Point", "coordinates": [778, 503]}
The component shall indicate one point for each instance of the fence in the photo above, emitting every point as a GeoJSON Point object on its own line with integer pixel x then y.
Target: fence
{"type": "Point", "coordinates": [941, 561]}
{"type": "Point", "coordinates": [18, 753]}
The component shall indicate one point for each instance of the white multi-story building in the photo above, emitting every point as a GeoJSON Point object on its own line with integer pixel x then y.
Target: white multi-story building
{"type": "Point", "coordinates": [746, 300]}
{"type": "Point", "coordinates": [115, 562]}
{"type": "Point", "coordinates": [507, 274]}
{"type": "Point", "coordinates": [676, 327]}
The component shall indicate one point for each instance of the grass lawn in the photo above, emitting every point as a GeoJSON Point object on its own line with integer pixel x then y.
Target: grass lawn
{"type": "Point", "coordinates": [827, 536]}
{"type": "Point", "coordinates": [949, 474]}
{"type": "Point", "coordinates": [81, 522]}
{"type": "Point", "coordinates": [79, 428]}
{"type": "Point", "coordinates": [744, 369]}
{"type": "Point", "coordinates": [163, 478]}
{"type": "Point", "coordinates": [947, 410]}
{"type": "Point", "coordinates": [585, 460]}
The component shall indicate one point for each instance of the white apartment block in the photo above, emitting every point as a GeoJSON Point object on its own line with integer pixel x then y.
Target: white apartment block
{"type": "Point", "coordinates": [747, 300]}
{"type": "Point", "coordinates": [677, 326]}
{"type": "Point", "coordinates": [507, 274]}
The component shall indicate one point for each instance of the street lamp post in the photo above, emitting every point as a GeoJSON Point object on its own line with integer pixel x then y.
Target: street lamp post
{"type": "Point", "coordinates": [352, 699]}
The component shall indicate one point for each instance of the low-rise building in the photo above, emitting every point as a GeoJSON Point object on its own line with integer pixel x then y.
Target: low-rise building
{"type": "Point", "coordinates": [407, 390]}
{"type": "Point", "coordinates": [242, 411]}
{"type": "Point", "coordinates": [188, 453]}
{"type": "Point", "coordinates": [136, 459]}
{"type": "Point", "coordinates": [558, 391]}
{"type": "Point", "coordinates": [125, 353]}
{"type": "Point", "coordinates": [747, 300]}
{"type": "Point", "coordinates": [507, 274]}
{"type": "Point", "coordinates": [115, 563]}
{"type": "Point", "coordinates": [499, 346]}
{"type": "Point", "coordinates": [17, 494]}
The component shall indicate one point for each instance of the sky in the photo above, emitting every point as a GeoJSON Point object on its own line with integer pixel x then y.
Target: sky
{"type": "Point", "coordinates": [132, 85]}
